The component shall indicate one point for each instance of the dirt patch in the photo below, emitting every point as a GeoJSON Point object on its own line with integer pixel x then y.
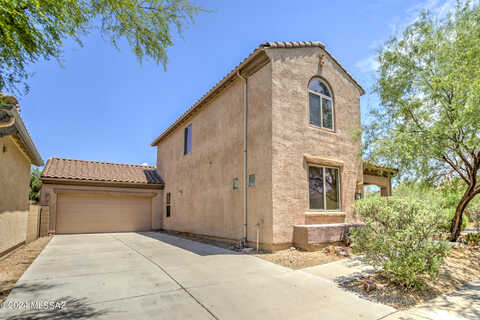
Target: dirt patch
{"type": "Point", "coordinates": [298, 259]}
{"type": "Point", "coordinates": [15, 263]}
{"type": "Point", "coordinates": [461, 266]}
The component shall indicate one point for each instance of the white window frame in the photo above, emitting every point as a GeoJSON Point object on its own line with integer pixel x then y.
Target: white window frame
{"type": "Point", "coordinates": [322, 96]}
{"type": "Point", "coordinates": [339, 189]}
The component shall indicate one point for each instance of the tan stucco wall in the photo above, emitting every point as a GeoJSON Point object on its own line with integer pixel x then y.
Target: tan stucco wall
{"type": "Point", "coordinates": [14, 187]}
{"type": "Point", "coordinates": [385, 183]}
{"type": "Point", "coordinates": [293, 137]}
{"type": "Point", "coordinates": [49, 192]}
{"type": "Point", "coordinates": [202, 198]}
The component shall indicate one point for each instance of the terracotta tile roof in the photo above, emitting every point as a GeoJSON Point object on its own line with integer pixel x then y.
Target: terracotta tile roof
{"type": "Point", "coordinates": [94, 171]}
{"type": "Point", "coordinates": [229, 76]}
{"type": "Point", "coordinates": [369, 165]}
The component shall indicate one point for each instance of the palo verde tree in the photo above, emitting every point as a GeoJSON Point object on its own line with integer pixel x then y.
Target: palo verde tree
{"type": "Point", "coordinates": [428, 121]}
{"type": "Point", "coordinates": [35, 29]}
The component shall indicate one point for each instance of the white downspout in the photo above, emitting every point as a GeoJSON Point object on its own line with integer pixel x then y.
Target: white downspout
{"type": "Point", "coordinates": [245, 177]}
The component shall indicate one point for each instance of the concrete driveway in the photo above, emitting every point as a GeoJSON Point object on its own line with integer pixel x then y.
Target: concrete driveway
{"type": "Point", "coordinates": [156, 276]}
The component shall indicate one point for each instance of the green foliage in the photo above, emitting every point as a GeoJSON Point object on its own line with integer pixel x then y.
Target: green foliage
{"type": "Point", "coordinates": [429, 86]}
{"type": "Point", "coordinates": [475, 216]}
{"type": "Point", "coordinates": [397, 238]}
{"type": "Point", "coordinates": [473, 239]}
{"type": "Point", "coordinates": [34, 29]}
{"type": "Point", "coordinates": [35, 185]}
{"type": "Point", "coordinates": [446, 216]}
{"type": "Point", "coordinates": [417, 191]}
{"type": "Point", "coordinates": [428, 83]}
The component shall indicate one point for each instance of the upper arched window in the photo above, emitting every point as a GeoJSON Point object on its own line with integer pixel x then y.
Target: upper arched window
{"type": "Point", "coordinates": [320, 104]}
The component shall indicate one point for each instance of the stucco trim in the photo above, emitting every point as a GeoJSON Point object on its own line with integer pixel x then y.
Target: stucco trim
{"type": "Point", "coordinates": [311, 159]}
{"type": "Point", "coordinates": [100, 184]}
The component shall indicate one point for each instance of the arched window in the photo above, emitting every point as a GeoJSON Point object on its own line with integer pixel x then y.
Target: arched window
{"type": "Point", "coordinates": [320, 104]}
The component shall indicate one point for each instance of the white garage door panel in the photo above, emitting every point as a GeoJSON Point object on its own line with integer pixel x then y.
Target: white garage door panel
{"type": "Point", "coordinates": [84, 212]}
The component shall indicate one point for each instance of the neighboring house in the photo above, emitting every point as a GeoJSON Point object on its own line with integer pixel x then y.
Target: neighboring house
{"type": "Point", "coordinates": [90, 196]}
{"type": "Point", "coordinates": [270, 150]}
{"type": "Point", "coordinates": [17, 154]}
{"type": "Point", "coordinates": [269, 154]}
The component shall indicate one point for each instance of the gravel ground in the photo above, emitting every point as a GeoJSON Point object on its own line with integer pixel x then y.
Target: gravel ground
{"type": "Point", "coordinates": [298, 259]}
{"type": "Point", "coordinates": [461, 266]}
{"type": "Point", "coordinates": [14, 264]}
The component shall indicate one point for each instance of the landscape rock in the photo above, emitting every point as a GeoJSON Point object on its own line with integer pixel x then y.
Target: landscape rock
{"type": "Point", "coordinates": [369, 285]}
{"type": "Point", "coordinates": [342, 252]}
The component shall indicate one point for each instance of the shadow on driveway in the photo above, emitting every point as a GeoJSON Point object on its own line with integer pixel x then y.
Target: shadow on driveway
{"type": "Point", "coordinates": [197, 247]}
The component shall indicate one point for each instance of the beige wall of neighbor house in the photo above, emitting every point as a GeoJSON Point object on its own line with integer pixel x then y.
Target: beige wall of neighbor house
{"type": "Point", "coordinates": [203, 200]}
{"type": "Point", "coordinates": [96, 208]}
{"type": "Point", "coordinates": [296, 144]}
{"type": "Point", "coordinates": [14, 188]}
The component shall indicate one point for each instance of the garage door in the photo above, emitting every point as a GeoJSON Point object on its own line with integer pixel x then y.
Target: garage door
{"type": "Point", "coordinates": [111, 212]}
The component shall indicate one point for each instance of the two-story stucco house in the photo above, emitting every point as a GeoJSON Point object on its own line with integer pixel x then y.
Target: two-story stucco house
{"type": "Point", "coordinates": [269, 154]}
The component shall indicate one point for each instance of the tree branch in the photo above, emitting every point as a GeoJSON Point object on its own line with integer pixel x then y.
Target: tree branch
{"type": "Point", "coordinates": [454, 167]}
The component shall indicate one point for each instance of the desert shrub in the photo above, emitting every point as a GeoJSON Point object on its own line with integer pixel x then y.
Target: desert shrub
{"type": "Point", "coordinates": [397, 237]}
{"type": "Point", "coordinates": [473, 239]}
{"type": "Point", "coordinates": [417, 191]}
{"type": "Point", "coordinates": [446, 216]}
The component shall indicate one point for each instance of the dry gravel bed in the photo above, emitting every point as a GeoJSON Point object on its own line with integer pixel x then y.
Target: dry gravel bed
{"type": "Point", "coordinates": [462, 265]}
{"type": "Point", "coordinates": [14, 264]}
{"type": "Point", "coordinates": [295, 258]}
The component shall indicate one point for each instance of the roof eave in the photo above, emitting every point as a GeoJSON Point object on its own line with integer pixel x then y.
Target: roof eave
{"type": "Point", "coordinates": [23, 134]}
{"type": "Point", "coordinates": [97, 183]}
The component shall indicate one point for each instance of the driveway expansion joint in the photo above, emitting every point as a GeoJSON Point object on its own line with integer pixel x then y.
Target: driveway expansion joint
{"type": "Point", "coordinates": [171, 277]}
{"type": "Point", "coordinates": [134, 297]}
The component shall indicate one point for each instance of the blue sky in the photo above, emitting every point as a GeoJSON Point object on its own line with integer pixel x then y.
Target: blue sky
{"type": "Point", "coordinates": [104, 106]}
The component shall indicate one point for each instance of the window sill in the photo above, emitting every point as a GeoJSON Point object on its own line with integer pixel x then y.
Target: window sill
{"type": "Point", "coordinates": [331, 131]}
{"type": "Point", "coordinates": [325, 213]}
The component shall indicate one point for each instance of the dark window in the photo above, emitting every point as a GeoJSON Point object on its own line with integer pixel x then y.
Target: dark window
{"type": "Point", "coordinates": [168, 204]}
{"type": "Point", "coordinates": [187, 147]}
{"type": "Point", "coordinates": [320, 104]}
{"type": "Point", "coordinates": [235, 183]}
{"type": "Point", "coordinates": [324, 188]}
{"type": "Point", "coordinates": [315, 110]}
{"type": "Point", "coordinates": [251, 180]}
